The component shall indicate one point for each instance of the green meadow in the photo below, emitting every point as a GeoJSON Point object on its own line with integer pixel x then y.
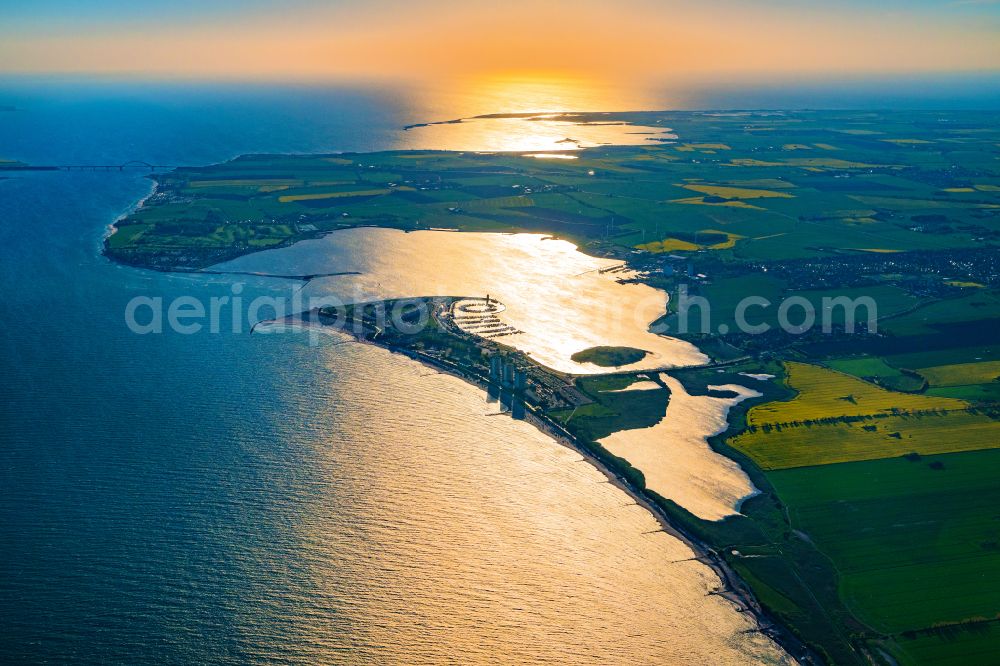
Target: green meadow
{"type": "Point", "coordinates": [612, 408]}
{"type": "Point", "coordinates": [748, 187]}
{"type": "Point", "coordinates": [913, 540]}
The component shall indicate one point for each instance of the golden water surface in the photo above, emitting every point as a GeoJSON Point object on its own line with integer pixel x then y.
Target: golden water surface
{"type": "Point", "coordinates": [470, 538]}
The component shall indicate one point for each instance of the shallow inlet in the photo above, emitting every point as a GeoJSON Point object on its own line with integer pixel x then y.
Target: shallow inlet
{"type": "Point", "coordinates": [676, 459]}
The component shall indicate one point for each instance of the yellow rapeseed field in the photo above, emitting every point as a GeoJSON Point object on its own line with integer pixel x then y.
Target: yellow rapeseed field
{"type": "Point", "coordinates": [700, 201]}
{"type": "Point", "coordinates": [962, 374]}
{"type": "Point", "coordinates": [838, 418]}
{"type": "Point", "coordinates": [888, 437]}
{"type": "Point", "coordinates": [825, 393]}
{"type": "Point", "coordinates": [727, 192]}
{"type": "Point", "coordinates": [668, 245]}
{"type": "Point", "coordinates": [675, 244]}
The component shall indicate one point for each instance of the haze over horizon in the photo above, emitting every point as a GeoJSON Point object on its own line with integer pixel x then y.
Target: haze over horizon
{"type": "Point", "coordinates": [308, 40]}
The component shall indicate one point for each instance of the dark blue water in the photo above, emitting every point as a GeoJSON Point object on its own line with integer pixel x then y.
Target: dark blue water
{"type": "Point", "coordinates": [133, 478]}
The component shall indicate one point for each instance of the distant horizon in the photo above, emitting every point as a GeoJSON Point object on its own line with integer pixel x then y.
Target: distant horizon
{"type": "Point", "coordinates": [467, 97]}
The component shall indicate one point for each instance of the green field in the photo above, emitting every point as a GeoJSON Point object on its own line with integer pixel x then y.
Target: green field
{"type": "Point", "coordinates": [725, 295]}
{"type": "Point", "coordinates": [768, 201]}
{"type": "Point", "coordinates": [878, 371]}
{"type": "Point", "coordinates": [980, 305]}
{"type": "Point", "coordinates": [863, 367]}
{"type": "Point", "coordinates": [968, 644]}
{"type": "Point", "coordinates": [913, 543]}
{"type": "Point", "coordinates": [612, 410]}
{"type": "Point", "coordinates": [971, 393]}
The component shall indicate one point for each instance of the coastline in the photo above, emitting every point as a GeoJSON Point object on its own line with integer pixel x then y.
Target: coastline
{"type": "Point", "coordinates": [123, 259]}
{"type": "Point", "coordinates": [732, 587]}
{"type": "Point", "coordinates": [167, 262]}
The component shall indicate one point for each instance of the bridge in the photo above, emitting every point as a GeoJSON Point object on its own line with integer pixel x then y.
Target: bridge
{"type": "Point", "coordinates": [124, 166]}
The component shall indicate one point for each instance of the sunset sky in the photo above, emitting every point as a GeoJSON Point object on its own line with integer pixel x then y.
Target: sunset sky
{"type": "Point", "coordinates": [308, 39]}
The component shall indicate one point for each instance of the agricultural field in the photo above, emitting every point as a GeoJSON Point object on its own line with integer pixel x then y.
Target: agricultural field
{"type": "Point", "coordinates": [928, 320]}
{"type": "Point", "coordinates": [724, 297]}
{"type": "Point", "coordinates": [825, 394]}
{"type": "Point", "coordinates": [837, 418]}
{"type": "Point", "coordinates": [932, 349]}
{"type": "Point", "coordinates": [772, 186]}
{"type": "Point", "coordinates": [876, 370]}
{"type": "Point", "coordinates": [869, 439]}
{"type": "Point", "coordinates": [704, 239]}
{"type": "Point", "coordinates": [962, 374]}
{"type": "Point", "coordinates": [971, 644]}
{"type": "Point", "coordinates": [977, 393]}
{"type": "Point", "coordinates": [978, 381]}
{"type": "Point", "coordinates": [913, 539]}
{"type": "Point", "coordinates": [897, 490]}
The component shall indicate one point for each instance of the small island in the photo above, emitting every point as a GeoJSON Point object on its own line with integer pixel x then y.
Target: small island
{"type": "Point", "coordinates": [610, 357]}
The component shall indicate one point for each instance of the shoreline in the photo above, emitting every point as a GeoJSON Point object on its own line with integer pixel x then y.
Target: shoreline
{"type": "Point", "coordinates": [731, 587]}
{"type": "Point", "coordinates": [229, 254]}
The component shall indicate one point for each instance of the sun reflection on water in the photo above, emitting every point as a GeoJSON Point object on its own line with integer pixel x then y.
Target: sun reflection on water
{"type": "Point", "coordinates": [545, 94]}
{"type": "Point", "coordinates": [523, 115]}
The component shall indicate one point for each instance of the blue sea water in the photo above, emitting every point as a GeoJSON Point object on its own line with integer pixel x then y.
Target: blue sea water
{"type": "Point", "coordinates": [237, 498]}
{"type": "Point", "coordinates": [130, 467]}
